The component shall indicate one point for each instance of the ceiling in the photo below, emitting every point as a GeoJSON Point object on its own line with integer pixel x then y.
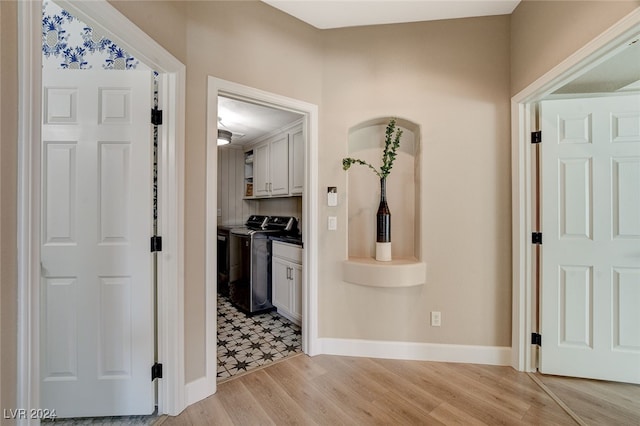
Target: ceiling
{"type": "Point", "coordinates": [619, 73]}
{"type": "Point", "coordinates": [326, 14]}
{"type": "Point", "coordinates": [247, 121]}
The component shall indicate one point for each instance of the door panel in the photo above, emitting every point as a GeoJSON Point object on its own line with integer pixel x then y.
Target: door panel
{"type": "Point", "coordinates": [96, 284]}
{"type": "Point", "coordinates": [590, 290]}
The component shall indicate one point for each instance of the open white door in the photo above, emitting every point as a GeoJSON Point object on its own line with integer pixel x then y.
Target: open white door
{"type": "Point", "coordinates": [97, 331]}
{"type": "Point", "coordinates": [590, 291]}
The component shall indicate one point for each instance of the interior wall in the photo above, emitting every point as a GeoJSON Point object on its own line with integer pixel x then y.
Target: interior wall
{"type": "Point", "coordinates": [8, 206]}
{"type": "Point", "coordinates": [451, 78]}
{"type": "Point", "coordinates": [252, 44]}
{"type": "Point", "coordinates": [164, 21]}
{"type": "Point", "coordinates": [544, 33]}
{"type": "Point", "coordinates": [233, 209]}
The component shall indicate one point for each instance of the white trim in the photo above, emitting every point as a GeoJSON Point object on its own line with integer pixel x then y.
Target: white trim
{"type": "Point", "coordinates": [218, 86]}
{"type": "Point", "coordinates": [593, 53]}
{"type": "Point", "coordinates": [171, 203]}
{"type": "Point", "coordinates": [490, 355]}
{"type": "Point", "coordinates": [199, 389]}
{"type": "Point", "coordinates": [29, 101]}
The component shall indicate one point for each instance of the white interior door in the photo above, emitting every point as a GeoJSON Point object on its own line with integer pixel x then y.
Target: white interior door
{"type": "Point", "coordinates": [590, 292]}
{"type": "Point", "coordinates": [97, 339]}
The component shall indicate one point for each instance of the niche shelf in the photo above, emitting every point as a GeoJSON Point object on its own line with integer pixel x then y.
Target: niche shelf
{"type": "Point", "coordinates": [366, 141]}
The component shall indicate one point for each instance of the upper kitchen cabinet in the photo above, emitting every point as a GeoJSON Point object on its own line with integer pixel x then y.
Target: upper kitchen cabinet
{"type": "Point", "coordinates": [296, 160]}
{"type": "Point", "coordinates": [278, 164]}
{"type": "Point", "coordinates": [271, 167]}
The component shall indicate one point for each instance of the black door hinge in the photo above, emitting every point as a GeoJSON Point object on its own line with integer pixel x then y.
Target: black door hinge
{"type": "Point", "coordinates": [156, 116]}
{"type": "Point", "coordinates": [536, 339]}
{"type": "Point", "coordinates": [536, 137]}
{"type": "Point", "coordinates": [536, 238]}
{"type": "Point", "coordinates": [156, 243]}
{"type": "Point", "coordinates": [156, 371]}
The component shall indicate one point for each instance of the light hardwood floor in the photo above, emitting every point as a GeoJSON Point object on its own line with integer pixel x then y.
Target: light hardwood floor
{"type": "Point", "coordinates": [333, 390]}
{"type": "Point", "coordinates": [597, 402]}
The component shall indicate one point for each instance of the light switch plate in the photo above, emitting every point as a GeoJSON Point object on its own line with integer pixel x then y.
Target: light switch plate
{"type": "Point", "coordinates": [332, 196]}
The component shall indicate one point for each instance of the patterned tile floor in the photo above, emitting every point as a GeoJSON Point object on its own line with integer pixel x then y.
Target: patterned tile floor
{"type": "Point", "coordinates": [246, 342]}
{"type": "Point", "coordinates": [111, 421]}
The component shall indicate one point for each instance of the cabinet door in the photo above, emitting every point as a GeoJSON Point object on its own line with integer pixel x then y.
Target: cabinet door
{"type": "Point", "coordinates": [279, 166]}
{"type": "Point", "coordinates": [296, 292]}
{"type": "Point", "coordinates": [261, 161]}
{"type": "Point", "coordinates": [296, 161]}
{"type": "Point", "coordinates": [280, 284]}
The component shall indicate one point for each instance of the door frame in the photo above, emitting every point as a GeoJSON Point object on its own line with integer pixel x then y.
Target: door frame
{"type": "Point", "coordinates": [215, 87]}
{"type": "Point", "coordinates": [170, 301]}
{"type": "Point", "coordinates": [523, 122]}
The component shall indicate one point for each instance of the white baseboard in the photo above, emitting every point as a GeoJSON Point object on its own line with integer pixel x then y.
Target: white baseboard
{"type": "Point", "coordinates": [199, 389]}
{"type": "Point", "coordinates": [491, 355]}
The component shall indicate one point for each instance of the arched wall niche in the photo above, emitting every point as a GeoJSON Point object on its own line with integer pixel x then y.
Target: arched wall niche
{"type": "Point", "coordinates": [366, 142]}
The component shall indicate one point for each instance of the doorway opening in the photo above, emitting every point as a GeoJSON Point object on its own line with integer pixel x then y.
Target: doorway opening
{"type": "Point", "coordinates": [300, 202]}
{"type": "Point", "coordinates": [583, 64]}
{"type": "Point", "coordinates": [259, 314]}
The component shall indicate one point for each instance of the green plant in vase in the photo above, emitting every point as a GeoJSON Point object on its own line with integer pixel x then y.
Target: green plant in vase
{"type": "Point", "coordinates": [383, 216]}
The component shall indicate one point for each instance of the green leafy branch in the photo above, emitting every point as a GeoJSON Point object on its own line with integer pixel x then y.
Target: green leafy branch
{"type": "Point", "coordinates": [391, 144]}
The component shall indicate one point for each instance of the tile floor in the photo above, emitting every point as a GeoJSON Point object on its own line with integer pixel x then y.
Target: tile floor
{"type": "Point", "coordinates": [111, 421]}
{"type": "Point", "coordinates": [246, 342]}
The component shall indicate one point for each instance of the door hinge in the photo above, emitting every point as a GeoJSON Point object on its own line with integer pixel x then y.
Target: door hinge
{"type": "Point", "coordinates": [156, 243]}
{"type": "Point", "coordinates": [536, 238]}
{"type": "Point", "coordinates": [156, 116]}
{"type": "Point", "coordinates": [536, 339]}
{"type": "Point", "coordinates": [536, 137]}
{"type": "Point", "coordinates": [156, 371]}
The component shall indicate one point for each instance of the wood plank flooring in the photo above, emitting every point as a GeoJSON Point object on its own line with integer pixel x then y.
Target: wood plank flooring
{"type": "Point", "coordinates": [334, 390]}
{"type": "Point", "coordinates": [597, 402]}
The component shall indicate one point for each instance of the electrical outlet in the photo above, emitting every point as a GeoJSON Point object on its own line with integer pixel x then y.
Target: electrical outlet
{"type": "Point", "coordinates": [436, 318]}
{"type": "Point", "coordinates": [332, 223]}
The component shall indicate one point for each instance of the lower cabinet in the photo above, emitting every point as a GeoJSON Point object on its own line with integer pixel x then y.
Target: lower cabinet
{"type": "Point", "coordinates": [286, 279]}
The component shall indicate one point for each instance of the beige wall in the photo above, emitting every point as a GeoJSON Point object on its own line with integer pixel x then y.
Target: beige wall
{"type": "Point", "coordinates": [165, 22]}
{"type": "Point", "coordinates": [452, 79]}
{"type": "Point", "coordinates": [8, 168]}
{"type": "Point", "coordinates": [544, 33]}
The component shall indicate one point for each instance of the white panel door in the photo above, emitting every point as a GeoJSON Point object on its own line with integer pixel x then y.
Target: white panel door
{"type": "Point", "coordinates": [97, 339]}
{"type": "Point", "coordinates": [590, 292]}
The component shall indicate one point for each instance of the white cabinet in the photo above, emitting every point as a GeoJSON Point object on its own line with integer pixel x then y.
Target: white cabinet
{"type": "Point", "coordinates": [286, 279]}
{"type": "Point", "coordinates": [296, 160]}
{"type": "Point", "coordinates": [271, 167]}
{"type": "Point", "coordinates": [277, 165]}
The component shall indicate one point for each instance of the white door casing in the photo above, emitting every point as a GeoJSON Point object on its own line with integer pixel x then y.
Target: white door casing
{"type": "Point", "coordinates": [590, 291]}
{"type": "Point", "coordinates": [97, 328]}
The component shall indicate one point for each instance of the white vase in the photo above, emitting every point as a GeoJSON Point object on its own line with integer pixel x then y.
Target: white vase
{"type": "Point", "coordinates": [383, 252]}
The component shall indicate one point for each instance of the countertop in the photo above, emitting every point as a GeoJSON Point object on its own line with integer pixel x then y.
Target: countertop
{"type": "Point", "coordinates": [291, 239]}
